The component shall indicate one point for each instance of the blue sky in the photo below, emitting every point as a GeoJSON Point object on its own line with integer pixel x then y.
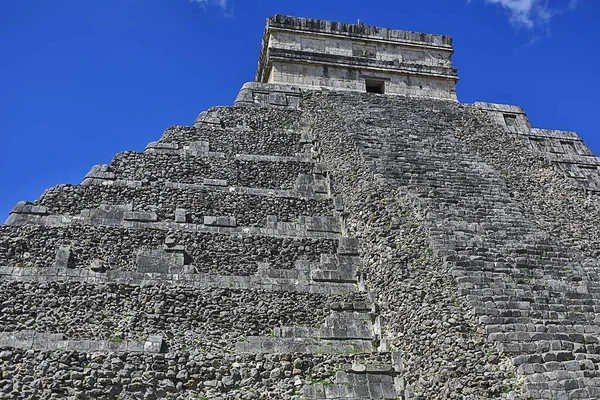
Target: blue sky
{"type": "Point", "coordinates": [83, 80]}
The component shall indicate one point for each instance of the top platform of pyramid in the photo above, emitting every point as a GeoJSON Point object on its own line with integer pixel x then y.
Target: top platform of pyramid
{"type": "Point", "coordinates": [316, 54]}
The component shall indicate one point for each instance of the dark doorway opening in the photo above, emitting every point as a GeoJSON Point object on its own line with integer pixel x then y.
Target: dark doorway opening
{"type": "Point", "coordinates": [510, 119]}
{"type": "Point", "coordinates": [375, 86]}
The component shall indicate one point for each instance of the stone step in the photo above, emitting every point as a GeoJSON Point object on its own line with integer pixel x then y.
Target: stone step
{"type": "Point", "coordinates": [548, 347]}
{"type": "Point", "coordinates": [551, 366]}
{"type": "Point", "coordinates": [566, 384]}
{"type": "Point", "coordinates": [189, 318]}
{"type": "Point", "coordinates": [191, 203]}
{"type": "Point", "coordinates": [237, 252]}
{"type": "Point", "coordinates": [550, 328]}
{"type": "Point", "coordinates": [337, 326]}
{"type": "Point", "coordinates": [124, 216]}
{"type": "Point", "coordinates": [57, 341]}
{"type": "Point", "coordinates": [542, 337]}
{"type": "Point", "coordinates": [557, 301]}
{"type": "Point", "coordinates": [196, 280]}
{"type": "Point", "coordinates": [536, 309]}
{"type": "Point", "coordinates": [577, 316]}
{"type": "Point", "coordinates": [566, 320]}
{"type": "Point", "coordinates": [238, 139]}
{"type": "Point", "coordinates": [162, 168]}
{"type": "Point", "coordinates": [265, 344]}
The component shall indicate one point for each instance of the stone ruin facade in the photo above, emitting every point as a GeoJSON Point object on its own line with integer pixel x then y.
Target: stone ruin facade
{"type": "Point", "coordinates": [309, 54]}
{"type": "Point", "coordinates": [316, 241]}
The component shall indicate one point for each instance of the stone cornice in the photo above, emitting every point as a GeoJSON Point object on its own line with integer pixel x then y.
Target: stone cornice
{"type": "Point", "coordinates": [360, 62]}
{"type": "Point", "coordinates": [359, 31]}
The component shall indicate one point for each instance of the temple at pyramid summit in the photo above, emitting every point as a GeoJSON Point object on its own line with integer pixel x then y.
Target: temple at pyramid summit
{"type": "Point", "coordinates": [347, 229]}
{"type": "Point", "coordinates": [315, 54]}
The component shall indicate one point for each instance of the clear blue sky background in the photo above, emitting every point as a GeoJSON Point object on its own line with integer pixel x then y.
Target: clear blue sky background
{"type": "Point", "coordinates": [83, 80]}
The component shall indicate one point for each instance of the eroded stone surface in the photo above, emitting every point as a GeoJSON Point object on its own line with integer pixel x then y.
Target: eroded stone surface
{"type": "Point", "coordinates": [314, 245]}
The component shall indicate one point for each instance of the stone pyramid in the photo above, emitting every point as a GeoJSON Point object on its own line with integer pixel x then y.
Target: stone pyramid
{"type": "Point", "coordinates": [347, 230]}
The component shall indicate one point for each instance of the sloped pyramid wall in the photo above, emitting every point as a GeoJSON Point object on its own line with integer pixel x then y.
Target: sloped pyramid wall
{"type": "Point", "coordinates": [308, 245]}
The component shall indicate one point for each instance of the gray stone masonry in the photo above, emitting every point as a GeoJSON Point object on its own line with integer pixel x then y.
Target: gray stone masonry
{"type": "Point", "coordinates": [255, 94]}
{"type": "Point", "coordinates": [565, 150]}
{"type": "Point", "coordinates": [314, 54]}
{"type": "Point", "coordinates": [316, 242]}
{"type": "Point", "coordinates": [57, 341]}
{"type": "Point", "coordinates": [533, 294]}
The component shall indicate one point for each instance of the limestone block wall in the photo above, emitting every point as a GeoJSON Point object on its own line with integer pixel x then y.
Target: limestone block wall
{"type": "Point", "coordinates": [316, 54]}
{"type": "Point", "coordinates": [254, 94]}
{"type": "Point", "coordinates": [118, 248]}
{"type": "Point", "coordinates": [379, 50]}
{"type": "Point", "coordinates": [310, 76]}
{"type": "Point", "coordinates": [212, 265]}
{"type": "Point", "coordinates": [514, 235]}
{"type": "Point", "coordinates": [565, 150]}
{"type": "Point", "coordinates": [196, 203]}
{"type": "Point", "coordinates": [344, 246]}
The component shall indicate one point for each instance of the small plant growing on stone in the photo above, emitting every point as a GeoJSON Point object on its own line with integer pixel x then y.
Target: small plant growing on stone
{"type": "Point", "coordinates": [117, 337]}
{"type": "Point", "coordinates": [25, 265]}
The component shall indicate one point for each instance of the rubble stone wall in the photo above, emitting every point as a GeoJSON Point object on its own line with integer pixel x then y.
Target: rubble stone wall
{"type": "Point", "coordinates": [334, 245]}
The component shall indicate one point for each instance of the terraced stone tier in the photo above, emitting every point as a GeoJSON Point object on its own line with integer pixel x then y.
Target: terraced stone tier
{"type": "Point", "coordinates": [345, 332]}
{"type": "Point", "coordinates": [239, 139]}
{"type": "Point", "coordinates": [248, 209]}
{"type": "Point", "coordinates": [162, 168]}
{"type": "Point", "coordinates": [31, 340]}
{"type": "Point", "coordinates": [36, 247]}
{"type": "Point", "coordinates": [213, 320]}
{"type": "Point", "coordinates": [260, 120]}
{"type": "Point", "coordinates": [357, 381]}
{"type": "Point", "coordinates": [268, 280]}
{"type": "Point", "coordinates": [184, 374]}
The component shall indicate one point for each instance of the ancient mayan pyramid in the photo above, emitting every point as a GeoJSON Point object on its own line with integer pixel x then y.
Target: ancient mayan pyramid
{"type": "Point", "coordinates": [347, 230]}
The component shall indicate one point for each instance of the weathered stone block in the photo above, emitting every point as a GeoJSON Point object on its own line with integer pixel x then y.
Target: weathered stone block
{"type": "Point", "coordinates": [255, 94]}
{"type": "Point", "coordinates": [100, 172]}
{"type": "Point", "coordinates": [220, 221]}
{"type": "Point", "coordinates": [160, 261]}
{"type": "Point", "coordinates": [181, 215]}
{"type": "Point", "coordinates": [25, 207]}
{"type": "Point", "coordinates": [107, 212]}
{"type": "Point", "coordinates": [323, 224]}
{"type": "Point", "coordinates": [348, 246]}
{"type": "Point", "coordinates": [63, 257]}
{"type": "Point", "coordinates": [206, 117]}
{"type": "Point", "coordinates": [144, 216]}
{"type": "Point", "coordinates": [162, 148]}
{"type": "Point", "coordinates": [214, 182]}
{"type": "Point", "coordinates": [197, 148]}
